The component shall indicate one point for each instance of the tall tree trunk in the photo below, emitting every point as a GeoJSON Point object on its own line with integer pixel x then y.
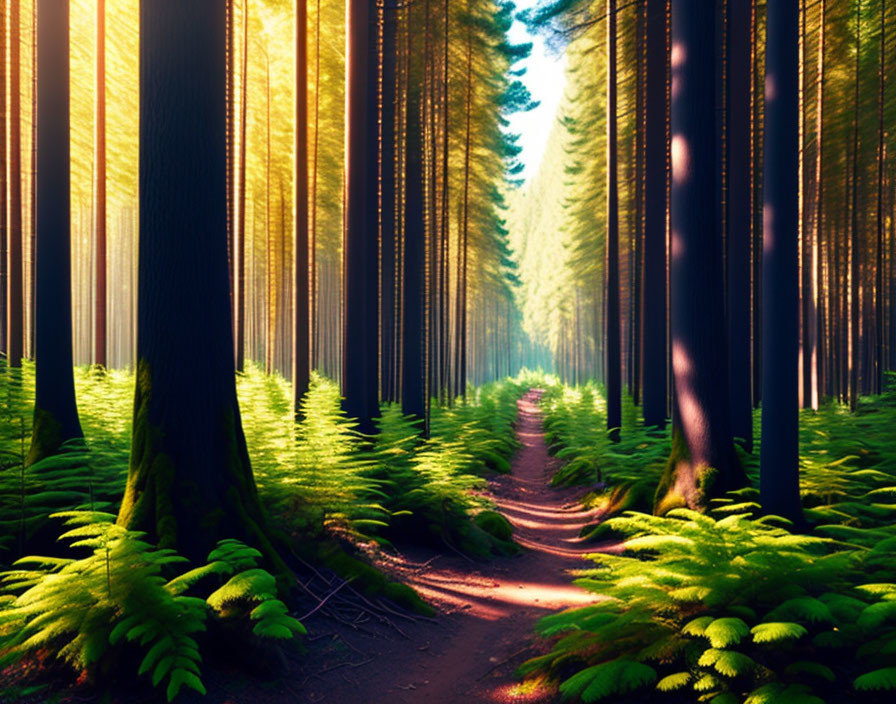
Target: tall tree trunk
{"type": "Point", "coordinates": [314, 283]}
{"type": "Point", "coordinates": [461, 315]}
{"type": "Point", "coordinates": [812, 338]}
{"type": "Point", "coordinates": [190, 482]}
{"type": "Point", "coordinates": [15, 335]}
{"type": "Point", "coordinates": [613, 354]}
{"type": "Point", "coordinates": [414, 377]}
{"type": "Point", "coordinates": [779, 454]}
{"type": "Point", "coordinates": [4, 231]}
{"type": "Point", "coordinates": [653, 334]}
{"type": "Point", "coordinates": [388, 268]}
{"type": "Point", "coordinates": [854, 248]}
{"type": "Point", "coordinates": [739, 202]}
{"type": "Point", "coordinates": [703, 463]}
{"type": "Point", "coordinates": [55, 410]}
{"type": "Point", "coordinates": [879, 264]}
{"type": "Point", "coordinates": [360, 324]}
{"type": "Point", "coordinates": [99, 353]}
{"type": "Point", "coordinates": [301, 337]}
{"type": "Point", "coordinates": [239, 277]}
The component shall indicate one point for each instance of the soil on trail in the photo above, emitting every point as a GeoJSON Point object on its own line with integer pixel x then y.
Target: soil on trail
{"type": "Point", "coordinates": [486, 610]}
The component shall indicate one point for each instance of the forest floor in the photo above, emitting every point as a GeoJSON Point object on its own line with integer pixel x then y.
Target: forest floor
{"type": "Point", "coordinates": [486, 611]}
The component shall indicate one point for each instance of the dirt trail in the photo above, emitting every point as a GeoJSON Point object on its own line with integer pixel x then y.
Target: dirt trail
{"type": "Point", "coordinates": [484, 630]}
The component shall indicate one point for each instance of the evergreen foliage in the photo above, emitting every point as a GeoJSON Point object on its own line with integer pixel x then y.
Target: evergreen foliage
{"type": "Point", "coordinates": [80, 609]}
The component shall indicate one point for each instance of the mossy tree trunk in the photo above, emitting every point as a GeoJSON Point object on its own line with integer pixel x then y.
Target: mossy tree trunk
{"type": "Point", "coordinates": [703, 463]}
{"type": "Point", "coordinates": [190, 482]}
{"type": "Point", "coordinates": [55, 410]}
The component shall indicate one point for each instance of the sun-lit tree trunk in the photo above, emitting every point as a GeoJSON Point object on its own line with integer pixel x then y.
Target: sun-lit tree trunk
{"type": "Point", "coordinates": [190, 482]}
{"type": "Point", "coordinates": [703, 463]}
{"type": "Point", "coordinates": [4, 232]}
{"type": "Point", "coordinates": [653, 334]}
{"type": "Point", "coordinates": [55, 410]}
{"type": "Point", "coordinates": [360, 323]}
{"type": "Point", "coordinates": [99, 352]}
{"type": "Point", "coordinates": [301, 337]}
{"type": "Point", "coordinates": [613, 358]}
{"type": "Point", "coordinates": [239, 276]}
{"type": "Point", "coordinates": [779, 453]}
{"type": "Point", "coordinates": [15, 335]}
{"type": "Point", "coordinates": [314, 283]}
{"type": "Point", "coordinates": [461, 315]}
{"type": "Point", "coordinates": [738, 202]}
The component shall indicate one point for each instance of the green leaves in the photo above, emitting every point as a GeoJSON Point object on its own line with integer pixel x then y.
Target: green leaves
{"type": "Point", "coordinates": [82, 607]}
{"type": "Point", "coordinates": [614, 677]}
{"type": "Point", "coordinates": [723, 632]}
{"type": "Point", "coordinates": [882, 679]}
{"type": "Point", "coordinates": [777, 631]}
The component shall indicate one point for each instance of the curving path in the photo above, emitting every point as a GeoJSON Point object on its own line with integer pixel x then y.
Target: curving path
{"type": "Point", "coordinates": [487, 610]}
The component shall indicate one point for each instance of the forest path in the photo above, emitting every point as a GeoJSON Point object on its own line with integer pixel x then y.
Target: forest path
{"type": "Point", "coordinates": [486, 610]}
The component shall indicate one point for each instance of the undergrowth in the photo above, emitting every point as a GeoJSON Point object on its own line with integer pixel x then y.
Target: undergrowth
{"type": "Point", "coordinates": [730, 607]}
{"type": "Point", "coordinates": [85, 611]}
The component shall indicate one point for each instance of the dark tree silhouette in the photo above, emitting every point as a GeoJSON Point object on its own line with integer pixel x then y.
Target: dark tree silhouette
{"type": "Point", "coordinates": [738, 200]}
{"type": "Point", "coordinates": [190, 481]}
{"type": "Point", "coordinates": [703, 463]}
{"type": "Point", "coordinates": [360, 381]}
{"type": "Point", "coordinates": [414, 396]}
{"type": "Point", "coordinates": [779, 458]}
{"type": "Point", "coordinates": [55, 410]}
{"type": "Point", "coordinates": [301, 351]}
{"type": "Point", "coordinates": [653, 333]}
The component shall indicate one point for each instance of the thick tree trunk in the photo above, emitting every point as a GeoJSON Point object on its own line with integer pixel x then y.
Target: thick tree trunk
{"type": "Point", "coordinates": [55, 410]}
{"type": "Point", "coordinates": [779, 455]}
{"type": "Point", "coordinates": [190, 482]}
{"type": "Point", "coordinates": [738, 201]}
{"type": "Point", "coordinates": [613, 352]}
{"type": "Point", "coordinates": [15, 335]}
{"type": "Point", "coordinates": [703, 463]}
{"type": "Point", "coordinates": [99, 352]}
{"type": "Point", "coordinates": [360, 323]}
{"type": "Point", "coordinates": [653, 334]}
{"type": "Point", "coordinates": [301, 337]}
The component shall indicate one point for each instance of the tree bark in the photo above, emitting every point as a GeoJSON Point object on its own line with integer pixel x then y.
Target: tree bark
{"type": "Point", "coordinates": [703, 463]}
{"type": "Point", "coordinates": [360, 323]}
{"type": "Point", "coordinates": [190, 482]}
{"type": "Point", "coordinates": [4, 232]}
{"type": "Point", "coordinates": [738, 201]}
{"type": "Point", "coordinates": [653, 334]}
{"type": "Point", "coordinates": [613, 352]}
{"type": "Point", "coordinates": [389, 273]}
{"type": "Point", "coordinates": [779, 454]}
{"type": "Point", "coordinates": [239, 277]}
{"type": "Point", "coordinates": [301, 337]}
{"type": "Point", "coordinates": [99, 353]}
{"type": "Point", "coordinates": [15, 335]}
{"type": "Point", "coordinates": [55, 411]}
{"type": "Point", "coordinates": [414, 387]}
